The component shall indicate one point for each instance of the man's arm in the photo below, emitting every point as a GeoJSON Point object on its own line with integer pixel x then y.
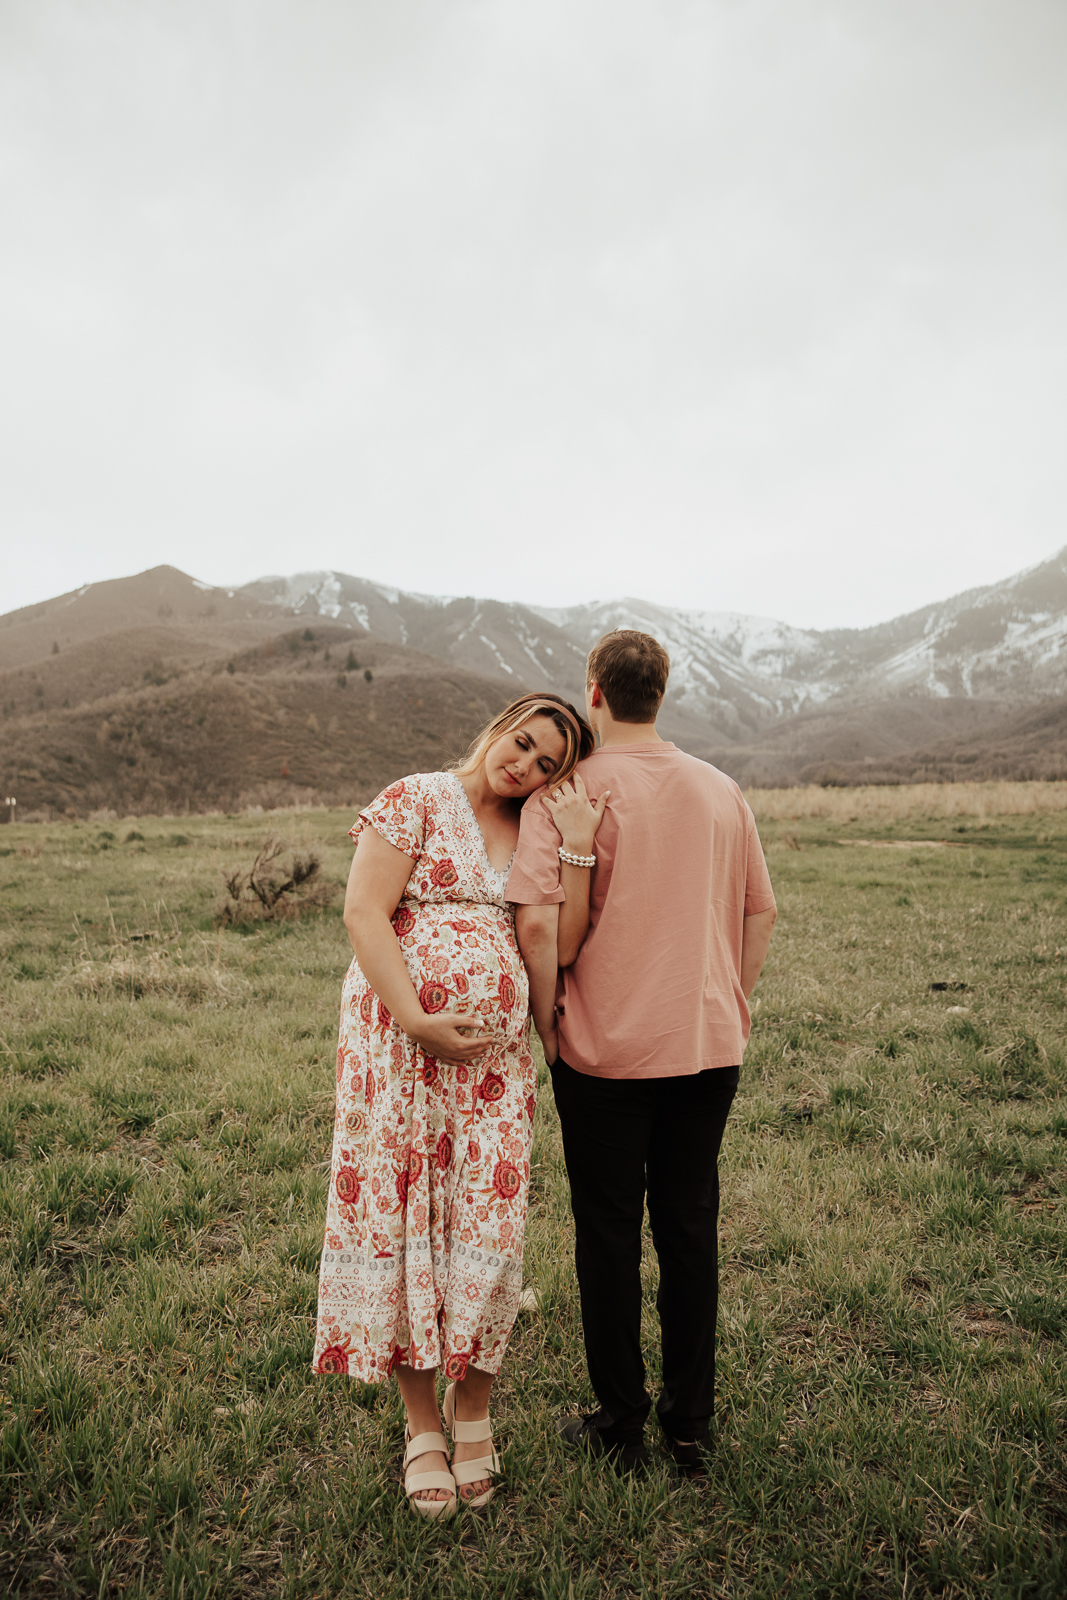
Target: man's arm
{"type": "Point", "coordinates": [535, 930]}
{"type": "Point", "coordinates": [755, 943]}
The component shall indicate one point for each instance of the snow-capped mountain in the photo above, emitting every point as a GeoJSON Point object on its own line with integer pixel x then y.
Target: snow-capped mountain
{"type": "Point", "coordinates": [107, 687]}
{"type": "Point", "coordinates": [491, 637]}
{"type": "Point", "coordinates": [738, 672]}
{"type": "Point", "coordinates": [1007, 639]}
{"type": "Point", "coordinates": [730, 674]}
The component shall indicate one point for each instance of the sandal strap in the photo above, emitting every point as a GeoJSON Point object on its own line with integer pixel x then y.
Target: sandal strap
{"type": "Point", "coordinates": [472, 1432]}
{"type": "Point", "coordinates": [472, 1471]}
{"type": "Point", "coordinates": [422, 1444]}
{"type": "Point", "coordinates": [415, 1482]}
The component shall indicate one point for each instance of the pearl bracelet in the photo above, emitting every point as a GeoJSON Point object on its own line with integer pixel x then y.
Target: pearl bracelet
{"type": "Point", "coordinates": [576, 861]}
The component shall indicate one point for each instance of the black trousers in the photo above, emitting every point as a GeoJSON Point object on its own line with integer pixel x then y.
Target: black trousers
{"type": "Point", "coordinates": [623, 1137]}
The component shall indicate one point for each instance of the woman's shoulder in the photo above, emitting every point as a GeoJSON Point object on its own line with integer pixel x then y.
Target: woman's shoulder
{"type": "Point", "coordinates": [420, 794]}
{"type": "Point", "coordinates": [416, 785]}
{"type": "Point", "coordinates": [407, 803]}
{"type": "Point", "coordinates": [419, 786]}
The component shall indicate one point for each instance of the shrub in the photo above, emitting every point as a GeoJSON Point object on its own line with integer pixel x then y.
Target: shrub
{"type": "Point", "coordinates": [280, 883]}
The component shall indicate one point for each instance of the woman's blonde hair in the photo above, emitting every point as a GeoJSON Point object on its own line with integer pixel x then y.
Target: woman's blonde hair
{"type": "Point", "coordinates": [576, 732]}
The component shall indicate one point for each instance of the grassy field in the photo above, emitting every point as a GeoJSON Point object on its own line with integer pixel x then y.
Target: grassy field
{"type": "Point", "coordinates": [892, 1350]}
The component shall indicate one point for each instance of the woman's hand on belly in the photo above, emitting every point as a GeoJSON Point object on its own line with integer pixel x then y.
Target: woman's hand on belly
{"type": "Point", "coordinates": [453, 1037]}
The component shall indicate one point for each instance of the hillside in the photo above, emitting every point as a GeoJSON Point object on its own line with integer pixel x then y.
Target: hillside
{"type": "Point", "coordinates": [160, 599]}
{"type": "Point", "coordinates": [287, 725]}
{"type": "Point", "coordinates": [864, 739]}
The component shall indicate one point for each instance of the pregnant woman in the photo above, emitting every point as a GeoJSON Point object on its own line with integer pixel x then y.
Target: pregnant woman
{"type": "Point", "coordinates": [422, 1263]}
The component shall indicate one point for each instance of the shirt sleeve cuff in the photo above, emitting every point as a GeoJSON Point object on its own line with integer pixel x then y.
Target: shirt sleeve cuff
{"type": "Point", "coordinates": [530, 895]}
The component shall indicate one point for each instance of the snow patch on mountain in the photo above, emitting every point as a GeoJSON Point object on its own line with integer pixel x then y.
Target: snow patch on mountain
{"type": "Point", "coordinates": [730, 672]}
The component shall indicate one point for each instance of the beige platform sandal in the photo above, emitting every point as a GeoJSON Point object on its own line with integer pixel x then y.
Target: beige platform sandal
{"type": "Point", "coordinates": [487, 1466]}
{"type": "Point", "coordinates": [416, 1482]}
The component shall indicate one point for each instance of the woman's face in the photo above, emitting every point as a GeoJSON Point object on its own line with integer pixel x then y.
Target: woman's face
{"type": "Point", "coordinates": [518, 763]}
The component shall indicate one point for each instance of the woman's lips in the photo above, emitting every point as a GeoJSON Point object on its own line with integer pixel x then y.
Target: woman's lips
{"type": "Point", "coordinates": [511, 778]}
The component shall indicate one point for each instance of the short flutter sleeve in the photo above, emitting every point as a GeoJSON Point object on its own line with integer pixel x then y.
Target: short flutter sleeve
{"type": "Point", "coordinates": [399, 815]}
{"type": "Point", "coordinates": [534, 876]}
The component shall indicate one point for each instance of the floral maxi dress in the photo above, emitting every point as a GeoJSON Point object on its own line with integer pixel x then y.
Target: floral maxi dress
{"type": "Point", "coordinates": [422, 1262]}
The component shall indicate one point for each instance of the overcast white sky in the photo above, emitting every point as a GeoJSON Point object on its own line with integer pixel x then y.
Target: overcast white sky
{"type": "Point", "coordinates": [742, 304]}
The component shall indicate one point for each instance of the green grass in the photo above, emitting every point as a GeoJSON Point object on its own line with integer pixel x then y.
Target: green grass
{"type": "Point", "coordinates": [893, 1383]}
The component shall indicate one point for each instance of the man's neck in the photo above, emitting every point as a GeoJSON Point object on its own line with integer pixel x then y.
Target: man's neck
{"type": "Point", "coordinates": [615, 733]}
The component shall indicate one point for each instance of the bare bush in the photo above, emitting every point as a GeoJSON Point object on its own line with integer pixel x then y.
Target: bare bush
{"type": "Point", "coordinates": [281, 882]}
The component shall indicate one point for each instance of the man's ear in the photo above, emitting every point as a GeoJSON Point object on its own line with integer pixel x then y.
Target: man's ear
{"type": "Point", "coordinates": [595, 696]}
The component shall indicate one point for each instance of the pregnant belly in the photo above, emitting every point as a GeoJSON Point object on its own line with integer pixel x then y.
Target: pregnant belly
{"type": "Point", "coordinates": [468, 964]}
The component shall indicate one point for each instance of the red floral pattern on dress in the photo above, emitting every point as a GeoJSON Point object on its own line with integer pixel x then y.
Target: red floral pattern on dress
{"type": "Point", "coordinates": [333, 1359]}
{"type": "Point", "coordinates": [440, 1153]}
{"type": "Point", "coordinates": [347, 1185]}
{"type": "Point", "coordinates": [507, 1180]}
{"type": "Point", "coordinates": [433, 997]}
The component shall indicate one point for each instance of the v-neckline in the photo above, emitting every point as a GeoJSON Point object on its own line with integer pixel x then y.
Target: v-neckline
{"type": "Point", "coordinates": [498, 872]}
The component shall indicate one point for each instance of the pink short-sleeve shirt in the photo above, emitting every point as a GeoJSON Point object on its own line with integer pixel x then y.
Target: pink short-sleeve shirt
{"type": "Point", "coordinates": [656, 989]}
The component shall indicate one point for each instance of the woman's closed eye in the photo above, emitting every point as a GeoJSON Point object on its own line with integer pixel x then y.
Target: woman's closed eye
{"type": "Point", "coordinates": [547, 766]}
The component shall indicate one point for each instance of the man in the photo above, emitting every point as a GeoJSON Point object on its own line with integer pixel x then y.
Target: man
{"type": "Point", "coordinates": [644, 1036]}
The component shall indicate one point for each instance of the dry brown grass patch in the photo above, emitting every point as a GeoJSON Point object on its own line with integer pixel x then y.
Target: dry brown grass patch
{"type": "Point", "coordinates": [894, 803]}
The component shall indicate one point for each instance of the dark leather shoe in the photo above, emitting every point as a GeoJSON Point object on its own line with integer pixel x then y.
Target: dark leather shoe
{"type": "Point", "coordinates": [623, 1457]}
{"type": "Point", "coordinates": [694, 1459]}
{"type": "Point", "coordinates": [580, 1430]}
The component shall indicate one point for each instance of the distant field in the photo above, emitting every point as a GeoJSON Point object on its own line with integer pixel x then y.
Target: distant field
{"type": "Point", "coordinates": [893, 1348]}
{"type": "Point", "coordinates": [931, 802]}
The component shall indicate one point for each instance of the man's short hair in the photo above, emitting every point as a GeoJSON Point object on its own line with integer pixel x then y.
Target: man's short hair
{"type": "Point", "coordinates": [631, 669]}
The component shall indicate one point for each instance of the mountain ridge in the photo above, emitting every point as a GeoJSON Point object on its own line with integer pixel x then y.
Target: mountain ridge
{"type": "Point", "coordinates": [768, 702]}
